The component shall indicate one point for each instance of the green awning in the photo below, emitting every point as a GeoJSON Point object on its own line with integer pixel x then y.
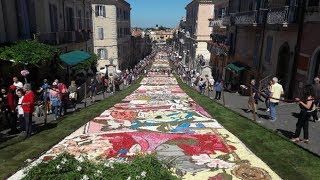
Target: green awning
{"type": "Point", "coordinates": [74, 57]}
{"type": "Point", "coordinates": [235, 68]}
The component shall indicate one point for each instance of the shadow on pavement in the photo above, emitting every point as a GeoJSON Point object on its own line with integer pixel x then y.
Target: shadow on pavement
{"type": "Point", "coordinates": [285, 133]}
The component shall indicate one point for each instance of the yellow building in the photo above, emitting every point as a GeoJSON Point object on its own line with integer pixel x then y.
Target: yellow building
{"type": "Point", "coordinates": [161, 35]}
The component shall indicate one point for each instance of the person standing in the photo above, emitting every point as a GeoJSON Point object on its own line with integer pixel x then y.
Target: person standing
{"type": "Point", "coordinates": [4, 108]}
{"type": "Point", "coordinates": [267, 99]}
{"type": "Point", "coordinates": [17, 83]}
{"type": "Point", "coordinates": [93, 90]}
{"type": "Point", "coordinates": [63, 93]}
{"type": "Point", "coordinates": [45, 89]}
{"type": "Point", "coordinates": [11, 101]}
{"type": "Point", "coordinates": [55, 100]}
{"type": "Point", "coordinates": [28, 108]}
{"type": "Point", "coordinates": [276, 91]}
{"type": "Point", "coordinates": [218, 87]}
{"type": "Point", "coordinates": [21, 119]}
{"type": "Point", "coordinates": [254, 97]}
{"type": "Point", "coordinates": [73, 94]}
{"type": "Point", "coordinates": [306, 108]}
{"type": "Point", "coordinates": [211, 84]}
{"type": "Point", "coordinates": [201, 85]}
{"type": "Point", "coordinates": [316, 91]}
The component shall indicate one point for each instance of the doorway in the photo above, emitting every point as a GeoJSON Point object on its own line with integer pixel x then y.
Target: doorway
{"type": "Point", "coordinates": [283, 64]}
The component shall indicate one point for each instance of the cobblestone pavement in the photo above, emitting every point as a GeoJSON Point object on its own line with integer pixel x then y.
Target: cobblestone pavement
{"type": "Point", "coordinates": [285, 124]}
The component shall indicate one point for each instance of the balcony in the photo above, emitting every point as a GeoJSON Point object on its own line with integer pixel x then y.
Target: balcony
{"type": "Point", "coordinates": [218, 48]}
{"type": "Point", "coordinates": [246, 18]}
{"type": "Point", "coordinates": [228, 20]}
{"type": "Point", "coordinates": [217, 23]}
{"type": "Point", "coordinates": [254, 18]}
{"type": "Point", "coordinates": [58, 38]}
{"type": "Point", "coordinates": [282, 15]}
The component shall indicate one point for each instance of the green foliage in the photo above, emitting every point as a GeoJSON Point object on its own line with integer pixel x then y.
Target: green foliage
{"type": "Point", "coordinates": [66, 166]}
{"type": "Point", "coordinates": [169, 41]}
{"type": "Point", "coordinates": [28, 52]}
{"type": "Point", "coordinates": [91, 62]}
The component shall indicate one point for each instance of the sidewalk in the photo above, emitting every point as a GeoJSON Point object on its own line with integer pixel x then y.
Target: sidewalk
{"type": "Point", "coordinates": [39, 121]}
{"type": "Point", "coordinates": [285, 125]}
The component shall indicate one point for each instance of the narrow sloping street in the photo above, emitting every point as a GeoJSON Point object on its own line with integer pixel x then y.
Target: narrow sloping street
{"type": "Point", "coordinates": [161, 118]}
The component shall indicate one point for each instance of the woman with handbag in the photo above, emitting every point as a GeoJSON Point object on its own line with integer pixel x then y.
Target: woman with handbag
{"type": "Point", "coordinates": [306, 108]}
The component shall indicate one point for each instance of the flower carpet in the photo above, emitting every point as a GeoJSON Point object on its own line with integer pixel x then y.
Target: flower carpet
{"type": "Point", "coordinates": [161, 118]}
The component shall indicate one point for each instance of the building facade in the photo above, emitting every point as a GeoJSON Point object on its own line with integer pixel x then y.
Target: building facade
{"type": "Point", "coordinates": [112, 34]}
{"type": "Point", "coordinates": [219, 44]}
{"type": "Point", "coordinates": [161, 35]}
{"type": "Point", "coordinates": [197, 33]}
{"type": "Point", "coordinates": [262, 37]}
{"type": "Point", "coordinates": [308, 57]}
{"type": "Point", "coordinates": [63, 24]}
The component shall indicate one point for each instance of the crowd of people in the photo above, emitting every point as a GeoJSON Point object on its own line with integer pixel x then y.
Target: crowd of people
{"type": "Point", "coordinates": [19, 102]}
{"type": "Point", "coordinates": [273, 94]}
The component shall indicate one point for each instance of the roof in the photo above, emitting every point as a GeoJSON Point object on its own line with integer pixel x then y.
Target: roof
{"type": "Point", "coordinates": [74, 57]}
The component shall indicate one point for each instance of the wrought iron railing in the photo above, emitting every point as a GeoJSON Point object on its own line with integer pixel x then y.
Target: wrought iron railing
{"type": "Point", "coordinates": [216, 23]}
{"type": "Point", "coordinates": [246, 18]}
{"type": "Point", "coordinates": [282, 15]}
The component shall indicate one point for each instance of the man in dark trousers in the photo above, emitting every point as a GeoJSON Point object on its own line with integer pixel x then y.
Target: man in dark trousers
{"type": "Point", "coordinates": [28, 107]}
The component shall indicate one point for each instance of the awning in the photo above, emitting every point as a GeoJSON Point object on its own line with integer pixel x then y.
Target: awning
{"type": "Point", "coordinates": [74, 57]}
{"type": "Point", "coordinates": [235, 68]}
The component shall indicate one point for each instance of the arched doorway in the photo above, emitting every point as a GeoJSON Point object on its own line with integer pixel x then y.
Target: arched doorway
{"type": "Point", "coordinates": [283, 64]}
{"type": "Point", "coordinates": [314, 69]}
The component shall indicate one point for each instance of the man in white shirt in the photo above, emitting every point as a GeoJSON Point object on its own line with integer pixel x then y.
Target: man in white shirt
{"type": "Point", "coordinates": [211, 84]}
{"type": "Point", "coordinates": [276, 92]}
{"type": "Point", "coordinates": [17, 83]}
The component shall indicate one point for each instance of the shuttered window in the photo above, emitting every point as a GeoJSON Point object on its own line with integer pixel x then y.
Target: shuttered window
{"type": "Point", "coordinates": [100, 10]}
{"type": "Point", "coordinates": [100, 33]}
{"type": "Point", "coordinates": [102, 53]}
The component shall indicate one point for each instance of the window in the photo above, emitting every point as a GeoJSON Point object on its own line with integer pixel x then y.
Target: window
{"type": "Point", "coordinates": [100, 33]}
{"type": "Point", "coordinates": [268, 49]}
{"type": "Point", "coordinates": [100, 10]}
{"type": "Point", "coordinates": [79, 19]}
{"type": "Point", "coordinates": [70, 19]}
{"type": "Point", "coordinates": [53, 11]}
{"type": "Point", "coordinates": [102, 53]}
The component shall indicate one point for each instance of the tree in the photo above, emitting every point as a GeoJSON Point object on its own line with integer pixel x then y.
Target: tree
{"type": "Point", "coordinates": [28, 52]}
{"type": "Point", "coordinates": [169, 41]}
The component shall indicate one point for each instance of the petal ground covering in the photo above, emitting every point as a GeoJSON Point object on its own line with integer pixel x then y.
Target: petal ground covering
{"type": "Point", "coordinates": [161, 118]}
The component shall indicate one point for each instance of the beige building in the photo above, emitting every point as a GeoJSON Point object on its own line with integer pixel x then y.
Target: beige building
{"type": "Point", "coordinates": [197, 33]}
{"type": "Point", "coordinates": [111, 33]}
{"type": "Point", "coordinates": [161, 35]}
{"type": "Point", "coordinates": [65, 24]}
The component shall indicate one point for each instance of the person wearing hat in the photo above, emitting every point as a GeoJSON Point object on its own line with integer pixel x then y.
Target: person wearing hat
{"type": "Point", "coordinates": [45, 88]}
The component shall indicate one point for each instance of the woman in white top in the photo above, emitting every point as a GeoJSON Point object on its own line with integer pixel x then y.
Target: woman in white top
{"type": "Point", "coordinates": [20, 110]}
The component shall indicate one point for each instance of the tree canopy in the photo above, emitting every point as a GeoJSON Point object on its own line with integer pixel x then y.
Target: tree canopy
{"type": "Point", "coordinates": [28, 52]}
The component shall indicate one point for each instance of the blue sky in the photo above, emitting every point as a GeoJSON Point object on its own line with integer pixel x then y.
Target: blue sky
{"type": "Point", "coordinates": [148, 13]}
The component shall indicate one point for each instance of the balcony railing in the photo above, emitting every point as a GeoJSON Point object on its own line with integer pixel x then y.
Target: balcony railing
{"type": "Point", "coordinates": [57, 38]}
{"type": "Point", "coordinates": [251, 17]}
{"type": "Point", "coordinates": [313, 9]}
{"type": "Point", "coordinates": [246, 18]}
{"type": "Point", "coordinates": [217, 23]}
{"type": "Point", "coordinates": [282, 15]}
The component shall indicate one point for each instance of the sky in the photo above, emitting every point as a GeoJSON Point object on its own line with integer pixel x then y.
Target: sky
{"type": "Point", "coordinates": [148, 13]}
